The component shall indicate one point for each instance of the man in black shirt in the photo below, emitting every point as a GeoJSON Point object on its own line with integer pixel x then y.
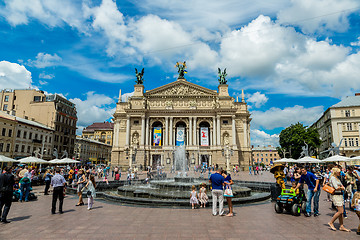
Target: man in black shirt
{"type": "Point", "coordinates": [7, 182]}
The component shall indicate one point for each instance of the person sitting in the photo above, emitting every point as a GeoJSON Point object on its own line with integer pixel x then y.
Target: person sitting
{"type": "Point", "coordinates": [293, 187]}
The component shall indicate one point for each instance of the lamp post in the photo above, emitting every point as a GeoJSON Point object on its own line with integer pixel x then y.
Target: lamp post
{"type": "Point", "coordinates": [227, 152]}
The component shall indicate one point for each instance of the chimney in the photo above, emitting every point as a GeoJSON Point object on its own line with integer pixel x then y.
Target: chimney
{"type": "Point", "coordinates": [357, 94]}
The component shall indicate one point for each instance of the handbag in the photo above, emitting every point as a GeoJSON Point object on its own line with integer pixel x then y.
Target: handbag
{"type": "Point", "coordinates": [327, 188]}
{"type": "Point", "coordinates": [88, 193]}
{"type": "Point", "coordinates": [228, 192]}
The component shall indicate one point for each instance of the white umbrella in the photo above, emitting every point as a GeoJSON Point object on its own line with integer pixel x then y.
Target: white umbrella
{"type": "Point", "coordinates": [337, 158]}
{"type": "Point", "coordinates": [7, 159]}
{"type": "Point", "coordinates": [67, 160]}
{"type": "Point", "coordinates": [308, 160]}
{"type": "Point", "coordinates": [355, 158]}
{"type": "Point", "coordinates": [32, 160]}
{"type": "Point", "coordinates": [54, 161]}
{"type": "Point", "coordinates": [285, 160]}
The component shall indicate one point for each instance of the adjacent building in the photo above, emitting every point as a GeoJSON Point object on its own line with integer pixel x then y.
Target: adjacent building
{"type": "Point", "coordinates": [53, 111]}
{"type": "Point", "coordinates": [151, 124]}
{"type": "Point", "coordinates": [100, 131]}
{"type": "Point", "coordinates": [340, 125]}
{"type": "Point", "coordinates": [264, 154]}
{"type": "Point", "coordinates": [23, 138]}
{"type": "Point", "coordinates": [88, 150]}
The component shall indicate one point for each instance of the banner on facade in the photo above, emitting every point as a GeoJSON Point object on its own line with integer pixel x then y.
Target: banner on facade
{"type": "Point", "coordinates": [157, 136]}
{"type": "Point", "coordinates": [180, 136]}
{"type": "Point", "coordinates": [204, 138]}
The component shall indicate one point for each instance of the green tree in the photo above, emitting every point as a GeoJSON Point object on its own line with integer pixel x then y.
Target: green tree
{"type": "Point", "coordinates": [292, 140]}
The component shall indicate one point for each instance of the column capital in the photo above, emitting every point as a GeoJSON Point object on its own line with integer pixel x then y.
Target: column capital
{"type": "Point", "coordinates": [143, 117]}
{"type": "Point", "coordinates": [218, 116]}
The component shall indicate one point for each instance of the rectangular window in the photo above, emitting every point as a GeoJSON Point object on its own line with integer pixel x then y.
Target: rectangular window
{"type": "Point", "coordinates": [225, 122]}
{"type": "Point", "coordinates": [18, 133]}
{"type": "Point", "coordinates": [24, 135]}
{"type": "Point", "coordinates": [37, 98]}
{"type": "Point", "coordinates": [36, 136]}
{"type": "Point", "coordinates": [16, 147]}
{"type": "Point", "coordinates": [28, 150]}
{"type": "Point", "coordinates": [6, 99]}
{"type": "Point", "coordinates": [10, 133]}
{"type": "Point", "coordinates": [1, 147]}
{"type": "Point", "coordinates": [345, 142]}
{"type": "Point", "coordinates": [349, 126]}
{"type": "Point", "coordinates": [4, 132]}
{"type": "Point", "coordinates": [356, 142]}
{"type": "Point", "coordinates": [23, 148]}
{"type": "Point", "coordinates": [8, 147]}
{"type": "Point", "coordinates": [351, 142]}
{"type": "Point", "coordinates": [347, 113]}
{"type": "Point", "coordinates": [30, 135]}
{"type": "Point", "coordinates": [5, 107]}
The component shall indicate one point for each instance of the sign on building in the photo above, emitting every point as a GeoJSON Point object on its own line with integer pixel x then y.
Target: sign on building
{"type": "Point", "coordinates": [204, 137]}
{"type": "Point", "coordinates": [157, 136]}
{"type": "Point", "coordinates": [180, 136]}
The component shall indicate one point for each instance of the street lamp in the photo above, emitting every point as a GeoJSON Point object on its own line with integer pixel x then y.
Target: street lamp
{"type": "Point", "coordinates": [227, 152]}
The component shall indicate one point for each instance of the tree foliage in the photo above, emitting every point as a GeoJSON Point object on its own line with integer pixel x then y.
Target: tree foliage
{"type": "Point", "coordinates": [292, 140]}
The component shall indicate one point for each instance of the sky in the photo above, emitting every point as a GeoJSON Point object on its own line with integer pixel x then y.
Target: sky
{"type": "Point", "coordinates": [293, 58]}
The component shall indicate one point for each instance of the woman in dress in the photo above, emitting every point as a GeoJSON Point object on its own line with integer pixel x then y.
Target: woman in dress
{"type": "Point", "coordinates": [228, 182]}
{"type": "Point", "coordinates": [193, 197]}
{"type": "Point", "coordinates": [91, 193]}
{"type": "Point", "coordinates": [81, 183]}
{"type": "Point", "coordinates": [203, 198]}
{"type": "Point", "coordinates": [338, 200]}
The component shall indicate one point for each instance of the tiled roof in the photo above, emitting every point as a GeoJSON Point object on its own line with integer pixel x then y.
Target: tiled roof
{"type": "Point", "coordinates": [348, 102]}
{"type": "Point", "coordinates": [99, 126]}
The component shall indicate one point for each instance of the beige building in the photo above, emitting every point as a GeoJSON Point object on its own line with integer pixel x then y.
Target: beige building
{"type": "Point", "coordinates": [7, 127]}
{"type": "Point", "coordinates": [53, 111]}
{"type": "Point", "coordinates": [88, 150]}
{"type": "Point", "coordinates": [28, 138]}
{"type": "Point", "coordinates": [149, 126]}
{"type": "Point", "coordinates": [340, 123]}
{"type": "Point", "coordinates": [266, 155]}
{"type": "Point", "coordinates": [101, 131]}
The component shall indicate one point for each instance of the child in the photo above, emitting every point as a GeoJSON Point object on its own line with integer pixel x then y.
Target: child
{"type": "Point", "coordinates": [294, 186]}
{"type": "Point", "coordinates": [193, 197]}
{"type": "Point", "coordinates": [91, 194]}
{"type": "Point", "coordinates": [203, 198]}
{"type": "Point", "coordinates": [356, 205]}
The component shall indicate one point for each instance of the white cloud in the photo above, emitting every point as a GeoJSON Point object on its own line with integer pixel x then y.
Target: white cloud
{"type": "Point", "coordinates": [125, 96]}
{"type": "Point", "coordinates": [46, 76]}
{"type": "Point", "coordinates": [43, 82]}
{"type": "Point", "coordinates": [14, 76]}
{"type": "Point", "coordinates": [44, 60]}
{"type": "Point", "coordinates": [320, 15]}
{"type": "Point", "coordinates": [95, 108]}
{"type": "Point", "coordinates": [262, 138]}
{"type": "Point", "coordinates": [281, 118]}
{"type": "Point", "coordinates": [258, 99]}
{"type": "Point", "coordinates": [356, 44]}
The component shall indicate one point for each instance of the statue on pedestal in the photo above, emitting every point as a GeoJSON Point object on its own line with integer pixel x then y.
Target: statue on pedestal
{"type": "Point", "coordinates": [139, 76]}
{"type": "Point", "coordinates": [222, 75]}
{"type": "Point", "coordinates": [181, 69]}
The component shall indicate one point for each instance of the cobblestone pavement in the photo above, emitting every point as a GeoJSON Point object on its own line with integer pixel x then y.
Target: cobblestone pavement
{"type": "Point", "coordinates": [32, 220]}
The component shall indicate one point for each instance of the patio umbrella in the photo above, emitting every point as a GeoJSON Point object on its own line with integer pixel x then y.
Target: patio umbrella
{"type": "Point", "coordinates": [337, 158]}
{"type": "Point", "coordinates": [67, 160]}
{"type": "Point", "coordinates": [7, 159]}
{"type": "Point", "coordinates": [285, 160]}
{"type": "Point", "coordinates": [32, 160]}
{"type": "Point", "coordinates": [308, 159]}
{"type": "Point", "coordinates": [54, 161]}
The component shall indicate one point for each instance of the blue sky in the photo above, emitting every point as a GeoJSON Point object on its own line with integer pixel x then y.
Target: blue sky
{"type": "Point", "coordinates": [294, 59]}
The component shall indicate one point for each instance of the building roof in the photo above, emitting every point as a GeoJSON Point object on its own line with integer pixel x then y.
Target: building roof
{"type": "Point", "coordinates": [348, 102]}
{"type": "Point", "coordinates": [99, 126]}
{"type": "Point", "coordinates": [79, 138]}
{"type": "Point", "coordinates": [263, 148]}
{"type": "Point", "coordinates": [33, 123]}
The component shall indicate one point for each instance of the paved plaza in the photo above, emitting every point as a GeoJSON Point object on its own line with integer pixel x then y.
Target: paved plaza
{"type": "Point", "coordinates": [109, 220]}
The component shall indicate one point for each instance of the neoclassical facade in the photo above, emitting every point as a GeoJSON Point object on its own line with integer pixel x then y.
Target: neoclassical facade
{"type": "Point", "coordinates": [149, 126]}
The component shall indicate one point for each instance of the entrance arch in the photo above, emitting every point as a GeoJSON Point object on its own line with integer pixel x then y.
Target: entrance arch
{"type": "Point", "coordinates": [204, 134]}
{"type": "Point", "coordinates": [157, 134]}
{"type": "Point", "coordinates": [180, 134]}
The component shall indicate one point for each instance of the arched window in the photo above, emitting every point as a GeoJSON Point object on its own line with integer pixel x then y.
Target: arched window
{"type": "Point", "coordinates": [157, 134]}
{"type": "Point", "coordinates": [204, 134]}
{"type": "Point", "coordinates": [180, 134]}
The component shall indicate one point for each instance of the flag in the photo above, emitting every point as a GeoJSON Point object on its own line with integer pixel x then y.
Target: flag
{"type": "Point", "coordinates": [185, 71]}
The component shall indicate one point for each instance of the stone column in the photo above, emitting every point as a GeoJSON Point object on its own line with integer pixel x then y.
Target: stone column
{"type": "Point", "coordinates": [116, 134]}
{"type": "Point", "coordinates": [233, 131]}
{"type": "Point", "coordinates": [190, 133]}
{"type": "Point", "coordinates": [218, 133]}
{"type": "Point", "coordinates": [166, 135]}
{"type": "Point", "coordinates": [147, 132]}
{"type": "Point", "coordinates": [245, 134]}
{"type": "Point", "coordinates": [142, 142]}
{"type": "Point", "coordinates": [195, 134]}
{"type": "Point", "coordinates": [214, 132]}
{"type": "Point", "coordinates": [128, 131]}
{"type": "Point", "coordinates": [171, 132]}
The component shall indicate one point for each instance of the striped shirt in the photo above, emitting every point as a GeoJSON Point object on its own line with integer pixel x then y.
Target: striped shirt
{"type": "Point", "coordinates": [57, 180]}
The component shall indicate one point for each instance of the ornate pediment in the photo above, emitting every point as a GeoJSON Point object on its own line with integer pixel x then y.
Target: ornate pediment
{"type": "Point", "coordinates": [180, 88]}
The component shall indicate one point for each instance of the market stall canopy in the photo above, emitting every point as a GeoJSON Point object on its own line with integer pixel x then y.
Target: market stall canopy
{"type": "Point", "coordinates": [308, 160]}
{"type": "Point", "coordinates": [32, 160]}
{"type": "Point", "coordinates": [285, 160]}
{"type": "Point", "coordinates": [337, 158]}
{"type": "Point", "coordinates": [7, 159]}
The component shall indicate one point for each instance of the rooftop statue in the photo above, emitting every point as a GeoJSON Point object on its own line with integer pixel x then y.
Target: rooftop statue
{"type": "Point", "coordinates": [139, 76]}
{"type": "Point", "coordinates": [181, 69]}
{"type": "Point", "coordinates": [222, 75]}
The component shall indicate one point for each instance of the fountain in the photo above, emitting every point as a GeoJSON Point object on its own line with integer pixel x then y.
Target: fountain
{"type": "Point", "coordinates": [180, 161]}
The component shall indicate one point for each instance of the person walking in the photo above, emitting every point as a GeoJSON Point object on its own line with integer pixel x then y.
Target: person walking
{"type": "Point", "coordinates": [81, 183]}
{"type": "Point", "coordinates": [58, 183]}
{"type": "Point", "coordinates": [313, 191]}
{"type": "Point", "coordinates": [7, 182]}
{"type": "Point", "coordinates": [24, 185]}
{"type": "Point", "coordinates": [91, 193]}
{"type": "Point", "coordinates": [338, 200]}
{"type": "Point", "coordinates": [47, 180]}
{"type": "Point", "coordinates": [228, 194]}
{"type": "Point", "coordinates": [217, 183]}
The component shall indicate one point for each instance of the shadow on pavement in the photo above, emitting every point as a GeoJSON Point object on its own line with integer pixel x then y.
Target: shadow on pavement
{"type": "Point", "coordinates": [97, 207]}
{"type": "Point", "coordinates": [70, 210]}
{"type": "Point", "coordinates": [15, 219]}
